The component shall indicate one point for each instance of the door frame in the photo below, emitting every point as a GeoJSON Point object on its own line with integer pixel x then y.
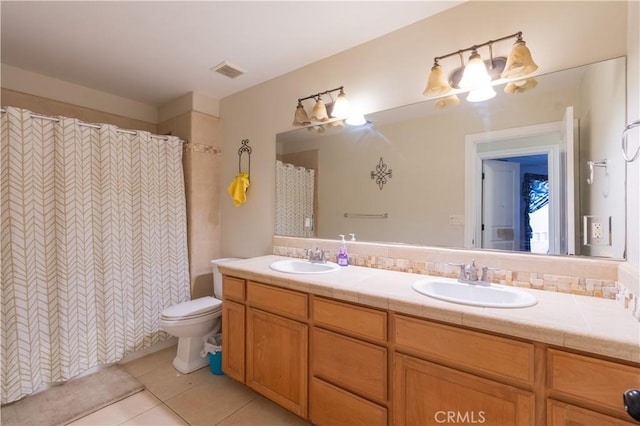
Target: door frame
{"type": "Point", "coordinates": [473, 176]}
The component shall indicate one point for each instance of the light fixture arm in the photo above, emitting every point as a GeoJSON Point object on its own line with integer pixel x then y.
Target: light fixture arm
{"type": "Point", "coordinates": [317, 95]}
{"type": "Point", "coordinates": [475, 47]}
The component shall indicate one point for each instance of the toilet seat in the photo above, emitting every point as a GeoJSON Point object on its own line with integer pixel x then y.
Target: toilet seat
{"type": "Point", "coordinates": [197, 308]}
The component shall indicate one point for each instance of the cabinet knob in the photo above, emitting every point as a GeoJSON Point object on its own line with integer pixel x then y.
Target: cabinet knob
{"type": "Point", "coordinates": [631, 400]}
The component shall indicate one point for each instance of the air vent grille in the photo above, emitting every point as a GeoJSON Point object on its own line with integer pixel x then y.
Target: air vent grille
{"type": "Point", "coordinates": [227, 70]}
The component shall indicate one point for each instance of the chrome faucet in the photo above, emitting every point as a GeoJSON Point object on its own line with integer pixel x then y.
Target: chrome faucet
{"type": "Point", "coordinates": [316, 255]}
{"type": "Point", "coordinates": [469, 274]}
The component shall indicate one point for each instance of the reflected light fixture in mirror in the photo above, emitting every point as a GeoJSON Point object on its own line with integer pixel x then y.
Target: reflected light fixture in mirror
{"type": "Point", "coordinates": [520, 86]}
{"type": "Point", "coordinates": [320, 112]}
{"type": "Point", "coordinates": [478, 76]}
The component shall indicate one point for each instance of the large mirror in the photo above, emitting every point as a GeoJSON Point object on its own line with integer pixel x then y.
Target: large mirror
{"type": "Point", "coordinates": [539, 171]}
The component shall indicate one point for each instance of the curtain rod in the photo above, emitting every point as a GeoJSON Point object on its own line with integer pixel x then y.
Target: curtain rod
{"type": "Point", "coordinates": [93, 126]}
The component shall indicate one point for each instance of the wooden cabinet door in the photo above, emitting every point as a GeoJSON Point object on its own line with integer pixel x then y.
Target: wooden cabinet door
{"type": "Point", "coordinates": [277, 359]}
{"type": "Point", "coordinates": [428, 394]}
{"type": "Point", "coordinates": [563, 414]}
{"type": "Point", "coordinates": [233, 340]}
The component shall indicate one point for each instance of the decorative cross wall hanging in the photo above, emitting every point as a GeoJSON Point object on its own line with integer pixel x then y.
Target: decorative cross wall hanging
{"type": "Point", "coordinates": [381, 174]}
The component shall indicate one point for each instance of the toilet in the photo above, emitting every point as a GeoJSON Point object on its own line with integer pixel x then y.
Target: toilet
{"type": "Point", "coordinates": [193, 322]}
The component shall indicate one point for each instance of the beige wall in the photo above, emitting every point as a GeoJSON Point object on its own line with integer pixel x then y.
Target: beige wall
{"type": "Point", "coordinates": [392, 71]}
{"type": "Point", "coordinates": [43, 105]}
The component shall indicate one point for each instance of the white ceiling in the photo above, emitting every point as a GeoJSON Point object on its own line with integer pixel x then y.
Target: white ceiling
{"type": "Point", "coordinates": [156, 51]}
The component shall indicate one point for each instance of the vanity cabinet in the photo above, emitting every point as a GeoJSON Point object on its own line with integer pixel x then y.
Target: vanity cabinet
{"type": "Point", "coordinates": [265, 341]}
{"type": "Point", "coordinates": [444, 374]}
{"type": "Point", "coordinates": [585, 391]}
{"type": "Point", "coordinates": [348, 360]}
{"type": "Point", "coordinates": [277, 345]}
{"type": "Point", "coordinates": [340, 363]}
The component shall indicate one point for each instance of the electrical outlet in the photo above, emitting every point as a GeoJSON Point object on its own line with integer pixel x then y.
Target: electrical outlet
{"type": "Point", "coordinates": [596, 230]}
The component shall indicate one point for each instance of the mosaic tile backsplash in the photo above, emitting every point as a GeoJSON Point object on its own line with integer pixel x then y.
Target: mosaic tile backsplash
{"type": "Point", "coordinates": [582, 276]}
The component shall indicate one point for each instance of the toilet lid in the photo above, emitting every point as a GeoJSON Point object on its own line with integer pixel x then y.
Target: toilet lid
{"type": "Point", "coordinates": [195, 307]}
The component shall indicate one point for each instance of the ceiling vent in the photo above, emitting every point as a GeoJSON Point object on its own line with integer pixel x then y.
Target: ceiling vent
{"type": "Point", "coordinates": [227, 70]}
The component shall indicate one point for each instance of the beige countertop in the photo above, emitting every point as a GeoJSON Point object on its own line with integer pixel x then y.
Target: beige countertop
{"type": "Point", "coordinates": [590, 324]}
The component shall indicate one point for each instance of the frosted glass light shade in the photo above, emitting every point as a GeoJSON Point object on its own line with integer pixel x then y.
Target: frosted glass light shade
{"type": "Point", "coordinates": [319, 112]}
{"type": "Point", "coordinates": [301, 118]}
{"type": "Point", "coordinates": [437, 83]}
{"type": "Point", "coordinates": [519, 62]}
{"type": "Point", "coordinates": [481, 94]}
{"type": "Point", "coordinates": [475, 73]}
{"type": "Point", "coordinates": [520, 86]}
{"type": "Point", "coordinates": [447, 101]}
{"type": "Point", "coordinates": [341, 107]}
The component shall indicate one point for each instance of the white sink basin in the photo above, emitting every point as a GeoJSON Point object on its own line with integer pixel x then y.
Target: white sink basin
{"type": "Point", "coordinates": [297, 266]}
{"type": "Point", "coordinates": [493, 296]}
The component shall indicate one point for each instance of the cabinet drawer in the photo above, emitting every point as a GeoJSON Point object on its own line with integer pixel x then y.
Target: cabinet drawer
{"type": "Point", "coordinates": [232, 288]}
{"type": "Point", "coordinates": [591, 380]}
{"type": "Point", "coordinates": [357, 366]}
{"type": "Point", "coordinates": [277, 300]}
{"type": "Point", "coordinates": [478, 352]}
{"type": "Point", "coordinates": [563, 414]}
{"type": "Point", "coordinates": [360, 321]}
{"type": "Point", "coordinates": [329, 405]}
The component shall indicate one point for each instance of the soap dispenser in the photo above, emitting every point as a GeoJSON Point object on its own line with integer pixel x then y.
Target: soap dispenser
{"type": "Point", "coordinates": [343, 257]}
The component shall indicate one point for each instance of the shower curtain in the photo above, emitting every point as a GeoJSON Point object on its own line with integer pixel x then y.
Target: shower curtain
{"type": "Point", "coordinates": [294, 200]}
{"type": "Point", "coordinates": [94, 246]}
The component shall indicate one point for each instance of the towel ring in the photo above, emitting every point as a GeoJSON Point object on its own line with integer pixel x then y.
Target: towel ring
{"type": "Point", "coordinates": [244, 148]}
{"type": "Point", "coordinates": [629, 158]}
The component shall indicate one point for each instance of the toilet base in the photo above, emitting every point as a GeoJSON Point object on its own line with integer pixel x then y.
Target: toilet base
{"type": "Point", "coordinates": [191, 366]}
{"type": "Point", "coordinates": [188, 357]}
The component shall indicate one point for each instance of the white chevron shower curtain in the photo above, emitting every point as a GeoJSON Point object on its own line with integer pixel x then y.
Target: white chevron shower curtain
{"type": "Point", "coordinates": [94, 246]}
{"type": "Point", "coordinates": [294, 200]}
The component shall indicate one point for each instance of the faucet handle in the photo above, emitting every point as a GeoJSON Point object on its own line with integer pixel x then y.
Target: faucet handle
{"type": "Point", "coordinates": [485, 273]}
{"type": "Point", "coordinates": [462, 275]}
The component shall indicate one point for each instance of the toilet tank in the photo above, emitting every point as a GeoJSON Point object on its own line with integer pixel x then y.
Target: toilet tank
{"type": "Point", "coordinates": [217, 276]}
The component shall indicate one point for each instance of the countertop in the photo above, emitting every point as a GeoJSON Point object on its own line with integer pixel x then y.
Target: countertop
{"type": "Point", "coordinates": [589, 324]}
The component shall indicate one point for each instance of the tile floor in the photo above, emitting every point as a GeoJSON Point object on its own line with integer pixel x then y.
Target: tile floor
{"type": "Point", "coordinates": [199, 398]}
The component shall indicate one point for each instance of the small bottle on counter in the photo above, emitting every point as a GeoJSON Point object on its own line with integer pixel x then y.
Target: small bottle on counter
{"type": "Point", "coordinates": [343, 256]}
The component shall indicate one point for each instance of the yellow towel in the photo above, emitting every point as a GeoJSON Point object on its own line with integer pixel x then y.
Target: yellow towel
{"type": "Point", "coordinates": [238, 188]}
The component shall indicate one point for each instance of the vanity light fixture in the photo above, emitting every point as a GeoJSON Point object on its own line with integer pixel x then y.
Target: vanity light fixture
{"type": "Point", "coordinates": [477, 75]}
{"type": "Point", "coordinates": [339, 109]}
